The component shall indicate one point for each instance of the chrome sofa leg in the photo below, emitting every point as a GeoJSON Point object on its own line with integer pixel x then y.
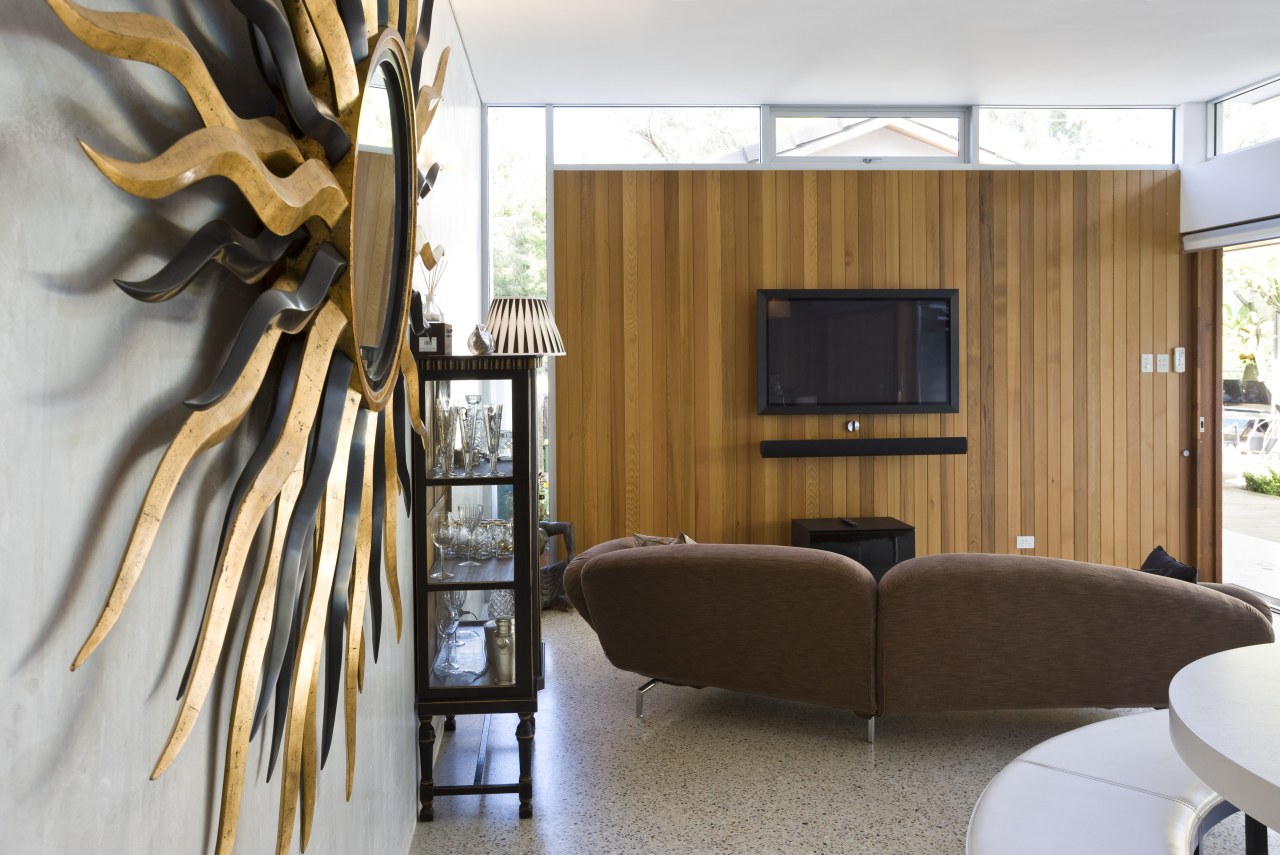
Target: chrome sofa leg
{"type": "Point", "coordinates": [871, 729]}
{"type": "Point", "coordinates": [640, 697]}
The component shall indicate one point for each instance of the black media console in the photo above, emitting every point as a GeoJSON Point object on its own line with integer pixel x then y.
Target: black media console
{"type": "Point", "coordinates": [876, 543]}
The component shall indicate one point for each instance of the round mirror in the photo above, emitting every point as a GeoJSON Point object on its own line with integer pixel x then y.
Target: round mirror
{"type": "Point", "coordinates": [382, 216]}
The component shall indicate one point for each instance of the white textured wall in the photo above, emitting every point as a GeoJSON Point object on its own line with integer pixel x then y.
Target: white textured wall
{"type": "Point", "coordinates": [91, 387]}
{"type": "Point", "coordinates": [450, 215]}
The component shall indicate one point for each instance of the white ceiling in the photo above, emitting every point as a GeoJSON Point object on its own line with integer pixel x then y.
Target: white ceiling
{"type": "Point", "coordinates": [995, 52]}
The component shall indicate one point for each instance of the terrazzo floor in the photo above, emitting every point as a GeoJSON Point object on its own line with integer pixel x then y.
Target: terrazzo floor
{"type": "Point", "coordinates": [709, 771]}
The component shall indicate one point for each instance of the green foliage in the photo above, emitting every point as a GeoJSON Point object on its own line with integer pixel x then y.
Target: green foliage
{"type": "Point", "coordinates": [1259, 483]}
{"type": "Point", "coordinates": [1251, 283]}
{"type": "Point", "coordinates": [694, 136]}
{"type": "Point", "coordinates": [519, 252]}
{"type": "Point", "coordinates": [518, 202]}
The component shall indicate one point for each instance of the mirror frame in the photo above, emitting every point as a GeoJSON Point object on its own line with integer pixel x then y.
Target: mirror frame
{"type": "Point", "coordinates": [387, 55]}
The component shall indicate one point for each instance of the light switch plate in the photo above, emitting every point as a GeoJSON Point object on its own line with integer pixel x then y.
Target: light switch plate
{"type": "Point", "coordinates": [1148, 363]}
{"type": "Point", "coordinates": [1162, 363]}
{"type": "Point", "coordinates": [1180, 360]}
{"type": "Point", "coordinates": [1026, 541]}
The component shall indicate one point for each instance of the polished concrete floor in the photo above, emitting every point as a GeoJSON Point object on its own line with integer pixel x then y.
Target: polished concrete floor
{"type": "Point", "coordinates": [708, 771]}
{"type": "Point", "coordinates": [1250, 527]}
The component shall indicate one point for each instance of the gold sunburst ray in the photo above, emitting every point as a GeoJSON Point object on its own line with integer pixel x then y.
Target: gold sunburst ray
{"type": "Point", "coordinates": [301, 704]}
{"type": "Point", "coordinates": [285, 386]}
{"type": "Point", "coordinates": [202, 430]}
{"type": "Point", "coordinates": [321, 343]}
{"type": "Point", "coordinates": [332, 36]}
{"type": "Point", "coordinates": [359, 596]}
{"type": "Point", "coordinates": [251, 659]}
{"type": "Point", "coordinates": [153, 40]}
{"type": "Point", "coordinates": [288, 306]}
{"type": "Point", "coordinates": [282, 204]}
{"type": "Point", "coordinates": [301, 190]}
{"type": "Point", "coordinates": [281, 63]}
{"type": "Point", "coordinates": [340, 603]}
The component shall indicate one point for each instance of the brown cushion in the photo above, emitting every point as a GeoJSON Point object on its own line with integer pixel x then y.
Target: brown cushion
{"type": "Point", "coordinates": [658, 540]}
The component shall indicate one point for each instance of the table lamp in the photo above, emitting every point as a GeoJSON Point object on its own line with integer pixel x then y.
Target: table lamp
{"type": "Point", "coordinates": [523, 326]}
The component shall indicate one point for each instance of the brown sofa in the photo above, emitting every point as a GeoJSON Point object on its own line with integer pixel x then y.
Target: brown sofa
{"type": "Point", "coordinates": [941, 632]}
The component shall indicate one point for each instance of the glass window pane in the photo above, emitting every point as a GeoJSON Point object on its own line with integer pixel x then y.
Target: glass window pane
{"type": "Point", "coordinates": [622, 135]}
{"type": "Point", "coordinates": [518, 201]}
{"type": "Point", "coordinates": [1087, 135]}
{"type": "Point", "coordinates": [1249, 118]}
{"type": "Point", "coordinates": [867, 136]}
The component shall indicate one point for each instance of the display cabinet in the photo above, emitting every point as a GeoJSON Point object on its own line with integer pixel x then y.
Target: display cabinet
{"type": "Point", "coordinates": [476, 595]}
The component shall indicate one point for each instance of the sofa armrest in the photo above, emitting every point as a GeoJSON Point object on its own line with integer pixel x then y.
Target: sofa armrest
{"type": "Point", "coordinates": [1007, 632]}
{"type": "Point", "coordinates": [1241, 594]}
{"type": "Point", "coordinates": [773, 620]}
{"type": "Point", "coordinates": [573, 573]}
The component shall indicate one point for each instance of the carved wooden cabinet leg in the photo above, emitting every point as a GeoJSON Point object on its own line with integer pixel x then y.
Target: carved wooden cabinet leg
{"type": "Point", "coordinates": [450, 722]}
{"type": "Point", "coordinates": [524, 739]}
{"type": "Point", "coordinates": [427, 786]}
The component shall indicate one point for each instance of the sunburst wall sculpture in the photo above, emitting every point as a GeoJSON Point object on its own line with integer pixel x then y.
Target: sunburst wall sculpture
{"type": "Point", "coordinates": [334, 179]}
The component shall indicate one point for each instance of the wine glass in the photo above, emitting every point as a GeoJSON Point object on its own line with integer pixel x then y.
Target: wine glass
{"type": "Point", "coordinates": [469, 517]}
{"type": "Point", "coordinates": [464, 425]}
{"type": "Point", "coordinates": [443, 535]}
{"type": "Point", "coordinates": [493, 434]}
{"type": "Point", "coordinates": [444, 437]}
{"type": "Point", "coordinates": [506, 543]}
{"type": "Point", "coordinates": [484, 540]}
{"type": "Point", "coordinates": [446, 628]}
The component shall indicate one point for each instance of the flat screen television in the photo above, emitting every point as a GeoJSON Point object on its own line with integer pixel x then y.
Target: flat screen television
{"type": "Point", "coordinates": [858, 351]}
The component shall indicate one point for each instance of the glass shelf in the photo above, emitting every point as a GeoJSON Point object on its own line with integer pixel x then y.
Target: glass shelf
{"type": "Point", "coordinates": [456, 479]}
{"type": "Point", "coordinates": [487, 573]}
{"type": "Point", "coordinates": [469, 655]}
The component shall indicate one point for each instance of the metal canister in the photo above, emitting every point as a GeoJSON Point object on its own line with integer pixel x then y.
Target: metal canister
{"type": "Point", "coordinates": [500, 645]}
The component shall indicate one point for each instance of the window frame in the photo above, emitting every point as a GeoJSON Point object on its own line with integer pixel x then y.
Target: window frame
{"type": "Point", "coordinates": [1171, 163]}
{"type": "Point", "coordinates": [1214, 110]}
{"type": "Point", "coordinates": [579, 165]}
{"type": "Point", "coordinates": [769, 141]}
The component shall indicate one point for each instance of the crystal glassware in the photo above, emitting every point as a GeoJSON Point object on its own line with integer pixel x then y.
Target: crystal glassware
{"type": "Point", "coordinates": [443, 533]}
{"type": "Point", "coordinates": [445, 435]}
{"type": "Point", "coordinates": [502, 603]}
{"type": "Point", "coordinates": [461, 427]}
{"type": "Point", "coordinates": [485, 537]}
{"type": "Point", "coordinates": [446, 628]}
{"type": "Point", "coordinates": [447, 620]}
{"type": "Point", "coordinates": [476, 408]}
{"type": "Point", "coordinates": [469, 518]}
{"type": "Point", "coordinates": [506, 539]}
{"type": "Point", "coordinates": [493, 434]}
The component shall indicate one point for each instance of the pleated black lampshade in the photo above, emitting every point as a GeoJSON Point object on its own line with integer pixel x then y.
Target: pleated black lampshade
{"type": "Point", "coordinates": [523, 326]}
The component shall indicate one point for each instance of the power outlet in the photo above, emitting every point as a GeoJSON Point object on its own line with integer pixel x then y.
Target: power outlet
{"type": "Point", "coordinates": [1162, 363]}
{"type": "Point", "coordinates": [1147, 363]}
{"type": "Point", "coordinates": [1026, 541]}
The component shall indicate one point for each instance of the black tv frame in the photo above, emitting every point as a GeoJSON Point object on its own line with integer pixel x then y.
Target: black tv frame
{"type": "Point", "coordinates": [763, 295]}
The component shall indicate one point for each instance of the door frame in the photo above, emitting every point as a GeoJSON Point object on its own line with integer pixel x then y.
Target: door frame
{"type": "Point", "coordinates": [1202, 277]}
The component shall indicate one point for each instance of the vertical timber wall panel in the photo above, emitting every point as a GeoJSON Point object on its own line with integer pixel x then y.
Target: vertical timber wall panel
{"type": "Point", "coordinates": [1065, 278]}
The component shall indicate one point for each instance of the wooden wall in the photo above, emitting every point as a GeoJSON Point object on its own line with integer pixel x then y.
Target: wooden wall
{"type": "Point", "coordinates": [375, 200]}
{"type": "Point", "coordinates": [1064, 278]}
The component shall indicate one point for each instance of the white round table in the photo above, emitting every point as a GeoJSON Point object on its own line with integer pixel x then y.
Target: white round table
{"type": "Point", "coordinates": [1224, 719]}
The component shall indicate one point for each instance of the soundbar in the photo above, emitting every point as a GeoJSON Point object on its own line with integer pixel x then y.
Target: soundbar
{"type": "Point", "coordinates": [864, 447]}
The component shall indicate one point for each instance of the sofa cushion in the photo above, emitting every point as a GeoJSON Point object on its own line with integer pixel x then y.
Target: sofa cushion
{"type": "Point", "coordinates": [973, 631]}
{"type": "Point", "coordinates": [1162, 563]}
{"type": "Point", "coordinates": [638, 539]}
{"type": "Point", "coordinates": [779, 621]}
